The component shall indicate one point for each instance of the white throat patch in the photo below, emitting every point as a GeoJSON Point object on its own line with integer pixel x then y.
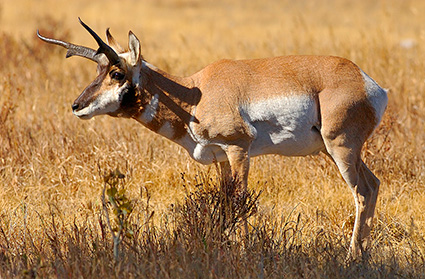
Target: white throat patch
{"type": "Point", "coordinates": [151, 110]}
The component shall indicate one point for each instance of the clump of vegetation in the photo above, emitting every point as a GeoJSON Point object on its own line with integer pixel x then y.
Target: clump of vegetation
{"type": "Point", "coordinates": [114, 199]}
{"type": "Point", "coordinates": [214, 213]}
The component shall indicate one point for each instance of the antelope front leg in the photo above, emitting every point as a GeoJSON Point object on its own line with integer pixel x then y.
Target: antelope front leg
{"type": "Point", "coordinates": [239, 164]}
{"type": "Point", "coordinates": [225, 172]}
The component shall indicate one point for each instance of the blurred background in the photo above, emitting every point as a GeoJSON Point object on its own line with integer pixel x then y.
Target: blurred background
{"type": "Point", "coordinates": [53, 164]}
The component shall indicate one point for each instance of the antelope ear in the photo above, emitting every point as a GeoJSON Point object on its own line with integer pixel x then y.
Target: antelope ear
{"type": "Point", "coordinates": [134, 46]}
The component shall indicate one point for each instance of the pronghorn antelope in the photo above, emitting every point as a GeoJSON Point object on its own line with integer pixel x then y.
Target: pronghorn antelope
{"type": "Point", "coordinates": [233, 110]}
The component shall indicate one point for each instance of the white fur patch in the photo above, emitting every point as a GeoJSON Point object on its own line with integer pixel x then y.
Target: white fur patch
{"type": "Point", "coordinates": [125, 56]}
{"type": "Point", "coordinates": [107, 102]}
{"type": "Point", "coordinates": [376, 95]}
{"type": "Point", "coordinates": [166, 130]}
{"type": "Point", "coordinates": [284, 125]}
{"type": "Point", "coordinates": [204, 153]}
{"type": "Point", "coordinates": [151, 110]}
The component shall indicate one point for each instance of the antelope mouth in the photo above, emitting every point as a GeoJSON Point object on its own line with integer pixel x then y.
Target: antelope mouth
{"type": "Point", "coordinates": [83, 113]}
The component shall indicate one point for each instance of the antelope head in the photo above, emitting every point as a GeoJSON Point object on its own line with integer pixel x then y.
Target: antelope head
{"type": "Point", "coordinates": [114, 89]}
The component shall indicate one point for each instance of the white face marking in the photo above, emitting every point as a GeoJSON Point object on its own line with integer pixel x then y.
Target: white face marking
{"type": "Point", "coordinates": [107, 102]}
{"type": "Point", "coordinates": [150, 110]}
{"type": "Point", "coordinates": [166, 130]}
{"type": "Point", "coordinates": [376, 95]}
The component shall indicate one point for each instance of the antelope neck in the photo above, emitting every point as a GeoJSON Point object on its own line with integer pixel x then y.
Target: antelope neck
{"type": "Point", "coordinates": [167, 102]}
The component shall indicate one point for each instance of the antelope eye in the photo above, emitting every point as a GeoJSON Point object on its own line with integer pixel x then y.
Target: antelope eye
{"type": "Point", "coordinates": [117, 75]}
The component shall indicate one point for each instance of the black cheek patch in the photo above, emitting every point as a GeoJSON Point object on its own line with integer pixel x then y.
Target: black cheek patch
{"type": "Point", "coordinates": [129, 102]}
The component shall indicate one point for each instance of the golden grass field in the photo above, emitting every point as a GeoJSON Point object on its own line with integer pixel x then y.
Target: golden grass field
{"type": "Point", "coordinates": [52, 165]}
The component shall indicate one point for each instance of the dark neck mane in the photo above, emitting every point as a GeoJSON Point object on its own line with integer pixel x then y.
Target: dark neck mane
{"type": "Point", "coordinates": [176, 98]}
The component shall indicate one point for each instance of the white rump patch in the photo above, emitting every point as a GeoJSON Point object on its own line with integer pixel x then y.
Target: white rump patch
{"type": "Point", "coordinates": [376, 95]}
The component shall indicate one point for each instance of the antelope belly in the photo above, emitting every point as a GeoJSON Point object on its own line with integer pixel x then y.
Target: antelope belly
{"type": "Point", "coordinates": [288, 126]}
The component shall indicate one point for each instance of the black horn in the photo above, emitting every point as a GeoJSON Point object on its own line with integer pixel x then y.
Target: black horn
{"type": "Point", "coordinates": [103, 47]}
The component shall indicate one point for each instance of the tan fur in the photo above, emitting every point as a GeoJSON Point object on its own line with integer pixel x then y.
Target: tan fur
{"type": "Point", "coordinates": [235, 82]}
{"type": "Point", "coordinates": [347, 117]}
{"type": "Point", "coordinates": [203, 112]}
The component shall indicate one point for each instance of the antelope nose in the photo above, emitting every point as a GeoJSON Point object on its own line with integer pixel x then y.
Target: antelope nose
{"type": "Point", "coordinates": [75, 106]}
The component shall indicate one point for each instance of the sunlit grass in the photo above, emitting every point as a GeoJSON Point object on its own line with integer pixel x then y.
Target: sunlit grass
{"type": "Point", "coordinates": [52, 164]}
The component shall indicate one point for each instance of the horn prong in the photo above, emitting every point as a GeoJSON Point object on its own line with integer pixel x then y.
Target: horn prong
{"type": "Point", "coordinates": [110, 40]}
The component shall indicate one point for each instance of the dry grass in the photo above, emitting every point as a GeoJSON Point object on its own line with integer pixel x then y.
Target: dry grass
{"type": "Point", "coordinates": [52, 165]}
